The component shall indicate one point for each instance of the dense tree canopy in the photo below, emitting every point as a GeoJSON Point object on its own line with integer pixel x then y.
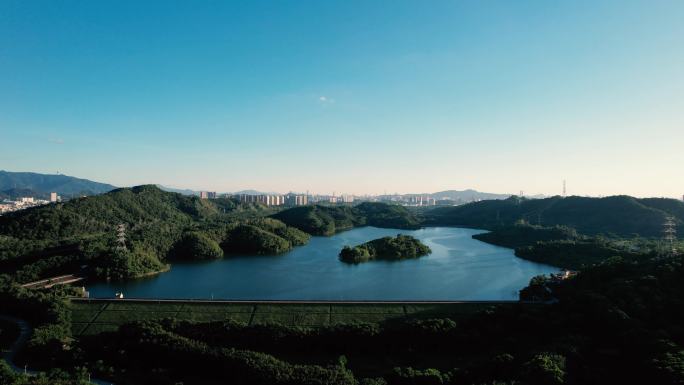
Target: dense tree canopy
{"type": "Point", "coordinates": [196, 245]}
{"type": "Point", "coordinates": [327, 220]}
{"type": "Point", "coordinates": [60, 238]}
{"type": "Point", "coordinates": [564, 247]}
{"type": "Point", "coordinates": [388, 248]}
{"type": "Point", "coordinates": [619, 215]}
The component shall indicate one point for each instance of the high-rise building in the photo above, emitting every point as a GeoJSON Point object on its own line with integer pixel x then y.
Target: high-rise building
{"type": "Point", "coordinates": [268, 200]}
{"type": "Point", "coordinates": [207, 194]}
{"type": "Point", "coordinates": [295, 200]}
{"type": "Point", "coordinates": [53, 197]}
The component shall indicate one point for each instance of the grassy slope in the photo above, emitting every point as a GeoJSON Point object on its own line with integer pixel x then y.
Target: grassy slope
{"type": "Point", "coordinates": [95, 317]}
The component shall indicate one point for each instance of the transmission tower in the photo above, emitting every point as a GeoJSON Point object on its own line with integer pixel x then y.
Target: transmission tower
{"type": "Point", "coordinates": [121, 237]}
{"type": "Point", "coordinates": [564, 191]}
{"type": "Point", "coordinates": [670, 234]}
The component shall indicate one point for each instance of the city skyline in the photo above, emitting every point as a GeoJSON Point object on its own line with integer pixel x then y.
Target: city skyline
{"type": "Point", "coordinates": [354, 97]}
{"type": "Point", "coordinates": [341, 194]}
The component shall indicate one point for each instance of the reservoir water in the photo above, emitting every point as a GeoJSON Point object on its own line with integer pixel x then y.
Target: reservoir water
{"type": "Point", "coordinates": [459, 268]}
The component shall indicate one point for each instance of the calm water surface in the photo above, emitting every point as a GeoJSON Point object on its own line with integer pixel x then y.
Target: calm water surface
{"type": "Point", "coordinates": [459, 268]}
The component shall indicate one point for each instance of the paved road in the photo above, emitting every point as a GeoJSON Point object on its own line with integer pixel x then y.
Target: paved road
{"type": "Point", "coordinates": [52, 281]}
{"type": "Point", "coordinates": [25, 331]}
{"type": "Point", "coordinates": [24, 335]}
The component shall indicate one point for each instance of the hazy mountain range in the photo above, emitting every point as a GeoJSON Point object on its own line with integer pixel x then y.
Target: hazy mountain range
{"type": "Point", "coordinates": [197, 192]}
{"type": "Point", "coordinates": [466, 195]}
{"type": "Point", "coordinates": [455, 195]}
{"type": "Point", "coordinates": [16, 184]}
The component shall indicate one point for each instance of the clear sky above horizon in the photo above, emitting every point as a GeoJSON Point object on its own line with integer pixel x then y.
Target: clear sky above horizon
{"type": "Point", "coordinates": [348, 96]}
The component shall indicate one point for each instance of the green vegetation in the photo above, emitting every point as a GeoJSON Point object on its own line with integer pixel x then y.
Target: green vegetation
{"type": "Point", "coordinates": [250, 238]}
{"type": "Point", "coordinates": [387, 248]}
{"type": "Point", "coordinates": [125, 264]}
{"type": "Point", "coordinates": [78, 376]}
{"type": "Point", "coordinates": [320, 220]}
{"type": "Point", "coordinates": [563, 247]}
{"type": "Point", "coordinates": [522, 234]}
{"type": "Point", "coordinates": [616, 322]}
{"type": "Point", "coordinates": [59, 239]}
{"type": "Point", "coordinates": [160, 226]}
{"type": "Point", "coordinates": [327, 220]}
{"type": "Point", "coordinates": [577, 254]}
{"type": "Point", "coordinates": [622, 216]}
{"type": "Point", "coordinates": [196, 245]}
{"type": "Point", "coordinates": [92, 317]}
{"type": "Point", "coordinates": [279, 350]}
{"type": "Point", "coordinates": [46, 310]}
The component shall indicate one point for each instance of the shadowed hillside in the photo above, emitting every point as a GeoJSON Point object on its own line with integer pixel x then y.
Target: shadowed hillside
{"type": "Point", "coordinates": [327, 220]}
{"type": "Point", "coordinates": [618, 215]}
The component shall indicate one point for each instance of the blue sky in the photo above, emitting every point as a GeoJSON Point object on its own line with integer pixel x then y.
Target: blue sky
{"type": "Point", "coordinates": [348, 96]}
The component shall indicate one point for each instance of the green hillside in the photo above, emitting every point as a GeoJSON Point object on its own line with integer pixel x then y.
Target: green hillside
{"type": "Point", "coordinates": [327, 220]}
{"type": "Point", "coordinates": [615, 215]}
{"type": "Point", "coordinates": [59, 238]}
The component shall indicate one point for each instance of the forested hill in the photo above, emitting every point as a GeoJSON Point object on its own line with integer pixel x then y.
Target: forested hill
{"type": "Point", "coordinates": [130, 206]}
{"type": "Point", "coordinates": [159, 225]}
{"type": "Point", "coordinates": [618, 215]}
{"type": "Point", "coordinates": [43, 184]}
{"type": "Point", "coordinates": [327, 220]}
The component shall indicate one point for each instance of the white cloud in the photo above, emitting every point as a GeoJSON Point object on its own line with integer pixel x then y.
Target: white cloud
{"type": "Point", "coordinates": [326, 100]}
{"type": "Point", "coordinates": [56, 140]}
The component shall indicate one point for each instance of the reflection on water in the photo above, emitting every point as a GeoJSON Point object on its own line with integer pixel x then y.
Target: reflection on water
{"type": "Point", "coordinates": [459, 268]}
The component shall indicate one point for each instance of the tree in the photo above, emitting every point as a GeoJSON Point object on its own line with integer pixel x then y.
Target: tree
{"type": "Point", "coordinates": [545, 368]}
{"type": "Point", "coordinates": [196, 245]}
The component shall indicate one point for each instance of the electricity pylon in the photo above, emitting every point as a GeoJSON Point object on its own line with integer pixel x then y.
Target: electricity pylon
{"type": "Point", "coordinates": [121, 237]}
{"type": "Point", "coordinates": [670, 234]}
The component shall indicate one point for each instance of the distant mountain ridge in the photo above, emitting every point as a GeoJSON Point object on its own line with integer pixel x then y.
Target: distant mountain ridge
{"type": "Point", "coordinates": [254, 192]}
{"type": "Point", "coordinates": [467, 195]}
{"type": "Point", "coordinates": [42, 185]}
{"type": "Point", "coordinates": [178, 190]}
{"type": "Point", "coordinates": [458, 197]}
{"type": "Point", "coordinates": [197, 192]}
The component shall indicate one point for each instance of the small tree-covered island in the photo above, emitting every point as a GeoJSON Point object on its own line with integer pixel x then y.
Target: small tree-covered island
{"type": "Point", "coordinates": [386, 248]}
